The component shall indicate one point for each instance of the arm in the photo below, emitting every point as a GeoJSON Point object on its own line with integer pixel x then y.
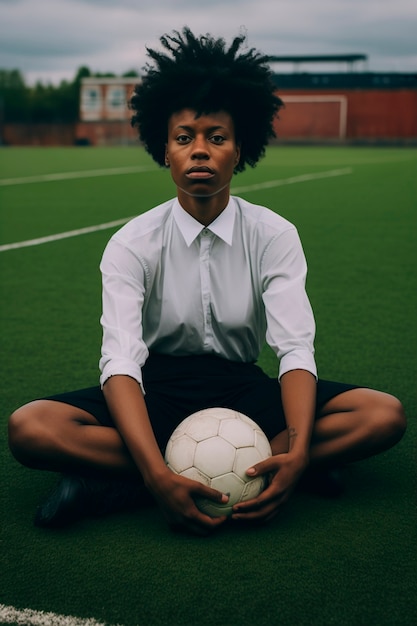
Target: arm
{"type": "Point", "coordinates": [290, 449]}
{"type": "Point", "coordinates": [174, 494]}
{"type": "Point", "coordinates": [298, 392]}
{"type": "Point", "coordinates": [123, 354]}
{"type": "Point", "coordinates": [290, 333]}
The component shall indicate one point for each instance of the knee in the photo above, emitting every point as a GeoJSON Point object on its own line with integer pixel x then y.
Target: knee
{"type": "Point", "coordinates": [24, 434]}
{"type": "Point", "coordinates": [389, 419]}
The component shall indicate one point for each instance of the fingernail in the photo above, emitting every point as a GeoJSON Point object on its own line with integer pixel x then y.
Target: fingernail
{"type": "Point", "coordinates": [251, 471]}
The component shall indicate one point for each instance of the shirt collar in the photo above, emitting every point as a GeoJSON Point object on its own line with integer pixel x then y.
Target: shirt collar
{"type": "Point", "coordinates": [190, 228]}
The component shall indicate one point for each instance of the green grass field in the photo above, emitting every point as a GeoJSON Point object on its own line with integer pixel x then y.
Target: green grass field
{"type": "Point", "coordinates": [345, 562]}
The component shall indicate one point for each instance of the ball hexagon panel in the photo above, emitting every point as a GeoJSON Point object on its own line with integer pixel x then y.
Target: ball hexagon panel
{"type": "Point", "coordinates": [244, 459]}
{"type": "Point", "coordinates": [194, 474]}
{"type": "Point", "coordinates": [181, 453]}
{"type": "Point", "coordinates": [214, 456]}
{"type": "Point", "coordinates": [200, 429]}
{"type": "Point", "coordinates": [237, 432]}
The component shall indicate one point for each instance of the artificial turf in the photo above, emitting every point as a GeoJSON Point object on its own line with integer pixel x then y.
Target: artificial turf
{"type": "Point", "coordinates": [345, 562]}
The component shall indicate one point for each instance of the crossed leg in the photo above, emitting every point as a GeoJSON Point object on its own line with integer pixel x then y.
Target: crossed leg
{"type": "Point", "coordinates": [51, 435]}
{"type": "Point", "coordinates": [352, 426]}
{"type": "Point", "coordinates": [356, 425]}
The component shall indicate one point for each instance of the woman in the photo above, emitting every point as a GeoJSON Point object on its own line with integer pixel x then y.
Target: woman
{"type": "Point", "coordinates": [190, 290]}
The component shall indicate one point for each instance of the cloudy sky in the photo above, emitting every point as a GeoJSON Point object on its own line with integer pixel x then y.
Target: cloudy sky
{"type": "Point", "coordinates": [50, 39]}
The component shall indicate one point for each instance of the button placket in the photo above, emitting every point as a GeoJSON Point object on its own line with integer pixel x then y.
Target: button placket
{"type": "Point", "coordinates": [205, 245]}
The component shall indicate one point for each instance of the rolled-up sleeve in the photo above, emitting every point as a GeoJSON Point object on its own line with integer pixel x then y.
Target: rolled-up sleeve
{"type": "Point", "coordinates": [289, 316]}
{"type": "Point", "coordinates": [123, 284]}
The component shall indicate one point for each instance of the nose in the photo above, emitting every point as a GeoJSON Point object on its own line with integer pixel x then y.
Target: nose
{"type": "Point", "coordinates": [200, 150]}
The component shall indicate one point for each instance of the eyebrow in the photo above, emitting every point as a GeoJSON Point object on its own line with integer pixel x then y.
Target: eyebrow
{"type": "Point", "coordinates": [211, 129]}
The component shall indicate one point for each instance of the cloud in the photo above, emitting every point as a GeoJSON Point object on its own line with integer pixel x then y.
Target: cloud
{"type": "Point", "coordinates": [55, 37]}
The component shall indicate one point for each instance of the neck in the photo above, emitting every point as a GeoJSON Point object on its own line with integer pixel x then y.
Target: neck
{"type": "Point", "coordinates": [204, 209]}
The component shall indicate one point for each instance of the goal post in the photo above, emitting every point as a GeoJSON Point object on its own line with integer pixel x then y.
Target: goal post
{"type": "Point", "coordinates": [313, 117]}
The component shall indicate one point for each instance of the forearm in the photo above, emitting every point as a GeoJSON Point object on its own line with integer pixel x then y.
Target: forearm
{"type": "Point", "coordinates": [127, 406]}
{"type": "Point", "coordinates": [298, 392]}
{"type": "Point", "coordinates": [290, 449]}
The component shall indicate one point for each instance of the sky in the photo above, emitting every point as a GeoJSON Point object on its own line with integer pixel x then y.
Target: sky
{"type": "Point", "coordinates": [48, 40]}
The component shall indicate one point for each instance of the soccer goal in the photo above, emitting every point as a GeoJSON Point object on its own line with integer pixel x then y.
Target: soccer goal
{"type": "Point", "coordinates": [313, 116]}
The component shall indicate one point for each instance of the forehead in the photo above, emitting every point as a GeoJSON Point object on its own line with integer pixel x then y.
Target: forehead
{"type": "Point", "coordinates": [191, 119]}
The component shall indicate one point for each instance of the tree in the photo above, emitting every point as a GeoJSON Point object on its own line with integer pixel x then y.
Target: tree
{"type": "Point", "coordinates": [42, 103]}
{"type": "Point", "coordinates": [13, 96]}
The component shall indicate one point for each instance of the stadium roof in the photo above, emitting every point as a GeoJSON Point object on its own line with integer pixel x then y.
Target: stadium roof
{"type": "Point", "coordinates": [319, 58]}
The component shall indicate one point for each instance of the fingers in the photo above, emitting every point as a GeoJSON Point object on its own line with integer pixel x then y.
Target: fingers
{"type": "Point", "coordinates": [256, 509]}
{"type": "Point", "coordinates": [264, 514]}
{"type": "Point", "coordinates": [264, 467]}
{"type": "Point", "coordinates": [263, 508]}
{"type": "Point", "coordinates": [203, 491]}
{"type": "Point", "coordinates": [184, 513]}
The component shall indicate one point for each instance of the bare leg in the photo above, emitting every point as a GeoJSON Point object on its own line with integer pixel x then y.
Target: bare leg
{"type": "Point", "coordinates": [355, 425]}
{"type": "Point", "coordinates": [99, 476]}
{"type": "Point", "coordinates": [51, 435]}
{"type": "Point", "coordinates": [352, 426]}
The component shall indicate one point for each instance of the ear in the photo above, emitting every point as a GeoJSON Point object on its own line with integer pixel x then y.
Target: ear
{"type": "Point", "coordinates": [166, 156]}
{"type": "Point", "coordinates": [237, 157]}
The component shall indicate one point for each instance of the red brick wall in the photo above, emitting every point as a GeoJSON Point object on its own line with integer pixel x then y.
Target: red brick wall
{"type": "Point", "coordinates": [107, 133]}
{"type": "Point", "coordinates": [308, 119]}
{"type": "Point", "coordinates": [384, 114]}
{"type": "Point", "coordinates": [371, 115]}
{"type": "Point", "coordinates": [38, 134]}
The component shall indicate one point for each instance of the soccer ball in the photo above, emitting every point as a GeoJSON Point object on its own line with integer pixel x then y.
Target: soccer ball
{"type": "Point", "coordinates": [215, 447]}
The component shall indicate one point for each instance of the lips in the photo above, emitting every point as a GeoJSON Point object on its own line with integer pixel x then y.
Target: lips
{"type": "Point", "coordinates": [200, 171]}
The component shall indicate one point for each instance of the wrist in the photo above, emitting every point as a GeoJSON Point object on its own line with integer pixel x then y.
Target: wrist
{"type": "Point", "coordinates": [299, 457]}
{"type": "Point", "coordinates": [155, 476]}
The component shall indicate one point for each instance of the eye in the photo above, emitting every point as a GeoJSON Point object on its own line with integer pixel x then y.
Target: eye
{"type": "Point", "coordinates": [217, 139]}
{"type": "Point", "coordinates": [183, 139]}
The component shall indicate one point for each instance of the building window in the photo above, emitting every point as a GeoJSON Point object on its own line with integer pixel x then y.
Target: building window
{"type": "Point", "coordinates": [116, 99]}
{"type": "Point", "coordinates": [91, 99]}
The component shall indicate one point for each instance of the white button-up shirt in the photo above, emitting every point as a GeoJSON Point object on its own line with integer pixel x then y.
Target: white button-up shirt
{"type": "Point", "coordinates": [173, 286]}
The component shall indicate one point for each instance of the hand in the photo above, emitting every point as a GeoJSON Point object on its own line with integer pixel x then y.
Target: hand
{"type": "Point", "coordinates": [176, 496]}
{"type": "Point", "coordinates": [284, 472]}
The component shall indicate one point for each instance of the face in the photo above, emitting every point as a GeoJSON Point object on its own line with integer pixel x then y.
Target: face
{"type": "Point", "coordinates": [201, 153]}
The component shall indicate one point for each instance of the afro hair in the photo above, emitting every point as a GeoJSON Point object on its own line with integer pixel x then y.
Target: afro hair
{"type": "Point", "coordinates": [202, 74]}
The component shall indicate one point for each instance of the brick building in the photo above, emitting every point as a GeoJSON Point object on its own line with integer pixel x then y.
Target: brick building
{"type": "Point", "coordinates": [104, 112]}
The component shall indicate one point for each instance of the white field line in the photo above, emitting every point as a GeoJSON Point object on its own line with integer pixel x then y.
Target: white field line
{"type": "Point", "coordinates": [66, 235]}
{"type": "Point", "coordinates": [294, 179]}
{"type": "Point", "coordinates": [27, 617]}
{"type": "Point", "coordinates": [44, 178]}
{"type": "Point", "coordinates": [256, 187]}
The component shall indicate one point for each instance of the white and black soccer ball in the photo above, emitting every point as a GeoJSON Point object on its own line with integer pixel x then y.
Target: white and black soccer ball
{"type": "Point", "coordinates": [215, 447]}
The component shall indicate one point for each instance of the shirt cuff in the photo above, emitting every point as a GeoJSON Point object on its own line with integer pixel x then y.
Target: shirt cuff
{"type": "Point", "coordinates": [122, 367]}
{"type": "Point", "coordinates": [297, 360]}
